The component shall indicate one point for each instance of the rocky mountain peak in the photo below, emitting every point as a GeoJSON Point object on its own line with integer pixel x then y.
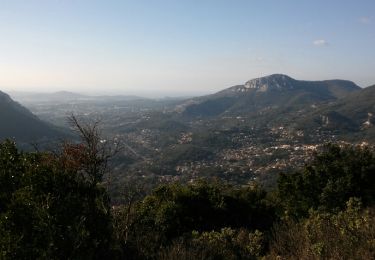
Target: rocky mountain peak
{"type": "Point", "coordinates": [274, 81]}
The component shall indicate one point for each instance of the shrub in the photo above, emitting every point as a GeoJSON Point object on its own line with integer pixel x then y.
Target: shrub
{"type": "Point", "coordinates": [329, 181]}
{"type": "Point", "coordinates": [349, 234]}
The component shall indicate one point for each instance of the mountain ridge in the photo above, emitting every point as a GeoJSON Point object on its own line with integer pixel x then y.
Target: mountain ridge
{"type": "Point", "coordinates": [273, 91]}
{"type": "Point", "coordinates": [352, 113]}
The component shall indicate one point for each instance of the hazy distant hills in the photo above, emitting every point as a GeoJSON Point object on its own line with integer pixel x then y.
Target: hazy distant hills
{"type": "Point", "coordinates": [67, 97]}
{"type": "Point", "coordinates": [19, 123]}
{"type": "Point", "coordinates": [273, 93]}
{"type": "Point", "coordinates": [339, 106]}
{"type": "Point", "coordinates": [60, 96]}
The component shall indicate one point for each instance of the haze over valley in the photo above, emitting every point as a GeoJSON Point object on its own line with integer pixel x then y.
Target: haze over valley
{"type": "Point", "coordinates": [247, 132]}
{"type": "Point", "coordinates": [187, 129]}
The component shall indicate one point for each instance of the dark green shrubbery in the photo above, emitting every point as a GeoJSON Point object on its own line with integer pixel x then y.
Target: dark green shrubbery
{"type": "Point", "coordinates": [227, 243]}
{"type": "Point", "coordinates": [328, 207]}
{"type": "Point", "coordinates": [349, 234]}
{"type": "Point", "coordinates": [329, 181]}
{"type": "Point", "coordinates": [53, 206]}
{"type": "Point", "coordinates": [48, 209]}
{"type": "Point", "coordinates": [172, 212]}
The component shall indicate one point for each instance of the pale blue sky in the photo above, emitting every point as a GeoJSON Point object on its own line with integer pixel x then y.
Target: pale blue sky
{"type": "Point", "coordinates": [181, 46]}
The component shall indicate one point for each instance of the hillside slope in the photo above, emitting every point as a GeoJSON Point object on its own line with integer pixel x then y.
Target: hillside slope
{"type": "Point", "coordinates": [19, 123]}
{"type": "Point", "coordinates": [354, 113]}
{"type": "Point", "coordinates": [276, 92]}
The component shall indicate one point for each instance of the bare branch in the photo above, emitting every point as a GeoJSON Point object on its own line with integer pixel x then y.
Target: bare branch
{"type": "Point", "coordinates": [93, 153]}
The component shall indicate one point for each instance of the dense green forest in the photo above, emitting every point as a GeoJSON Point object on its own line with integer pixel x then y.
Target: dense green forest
{"type": "Point", "coordinates": [54, 205]}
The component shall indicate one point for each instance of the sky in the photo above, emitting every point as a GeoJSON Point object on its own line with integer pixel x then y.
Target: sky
{"type": "Point", "coordinates": [181, 47]}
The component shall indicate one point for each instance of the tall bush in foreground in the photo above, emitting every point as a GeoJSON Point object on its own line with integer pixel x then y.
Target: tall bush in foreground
{"type": "Point", "coordinates": [349, 234]}
{"type": "Point", "coordinates": [173, 212]}
{"type": "Point", "coordinates": [52, 205]}
{"type": "Point", "coordinates": [334, 176]}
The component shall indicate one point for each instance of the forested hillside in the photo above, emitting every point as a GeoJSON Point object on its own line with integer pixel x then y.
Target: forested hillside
{"type": "Point", "coordinates": [19, 123]}
{"type": "Point", "coordinates": [272, 94]}
{"type": "Point", "coordinates": [352, 116]}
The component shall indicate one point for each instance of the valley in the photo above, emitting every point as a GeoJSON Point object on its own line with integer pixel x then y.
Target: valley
{"type": "Point", "coordinates": [242, 134]}
{"type": "Point", "coordinates": [187, 130]}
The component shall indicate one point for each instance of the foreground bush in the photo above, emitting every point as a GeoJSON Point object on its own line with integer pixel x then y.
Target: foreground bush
{"type": "Point", "coordinates": [224, 244]}
{"type": "Point", "coordinates": [174, 211]}
{"type": "Point", "coordinates": [349, 234]}
{"type": "Point", "coordinates": [48, 209]}
{"type": "Point", "coordinates": [53, 206]}
{"type": "Point", "coordinates": [327, 183]}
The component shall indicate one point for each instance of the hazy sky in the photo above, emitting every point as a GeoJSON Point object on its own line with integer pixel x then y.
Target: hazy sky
{"type": "Point", "coordinates": [181, 46]}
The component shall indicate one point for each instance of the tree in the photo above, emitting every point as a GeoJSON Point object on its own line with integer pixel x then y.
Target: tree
{"type": "Point", "coordinates": [348, 234]}
{"type": "Point", "coordinates": [172, 211]}
{"type": "Point", "coordinates": [52, 205]}
{"type": "Point", "coordinates": [90, 156]}
{"type": "Point", "coordinates": [334, 176]}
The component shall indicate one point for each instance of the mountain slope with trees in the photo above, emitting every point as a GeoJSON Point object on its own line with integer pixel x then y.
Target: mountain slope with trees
{"type": "Point", "coordinates": [353, 115]}
{"type": "Point", "coordinates": [273, 93]}
{"type": "Point", "coordinates": [19, 123]}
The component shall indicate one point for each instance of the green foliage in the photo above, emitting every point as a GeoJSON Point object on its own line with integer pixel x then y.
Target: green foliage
{"type": "Point", "coordinates": [53, 206]}
{"type": "Point", "coordinates": [48, 210]}
{"type": "Point", "coordinates": [226, 243]}
{"type": "Point", "coordinates": [229, 243]}
{"type": "Point", "coordinates": [329, 181]}
{"type": "Point", "coordinates": [174, 211]}
{"type": "Point", "coordinates": [349, 234]}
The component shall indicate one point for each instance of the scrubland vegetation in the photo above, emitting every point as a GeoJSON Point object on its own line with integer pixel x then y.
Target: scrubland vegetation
{"type": "Point", "coordinates": [55, 206]}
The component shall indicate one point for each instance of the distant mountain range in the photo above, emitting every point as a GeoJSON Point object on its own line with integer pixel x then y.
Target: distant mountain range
{"type": "Point", "coordinates": [276, 100]}
{"type": "Point", "coordinates": [17, 122]}
{"type": "Point", "coordinates": [338, 106]}
{"type": "Point", "coordinates": [273, 93]}
{"type": "Point", "coordinates": [67, 96]}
